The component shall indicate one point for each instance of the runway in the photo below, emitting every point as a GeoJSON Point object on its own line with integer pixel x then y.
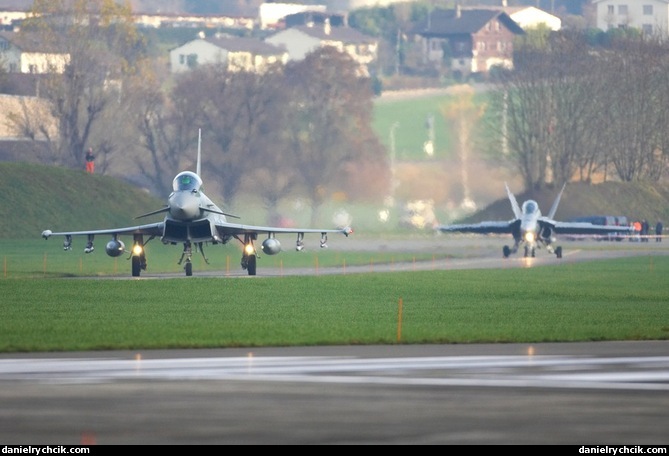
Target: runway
{"type": "Point", "coordinates": [607, 393]}
{"type": "Point", "coordinates": [599, 393]}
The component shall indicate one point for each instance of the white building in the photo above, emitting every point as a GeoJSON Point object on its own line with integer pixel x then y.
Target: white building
{"type": "Point", "coordinates": [527, 17]}
{"type": "Point", "coordinates": [24, 54]}
{"type": "Point", "coordinates": [301, 40]}
{"type": "Point", "coordinates": [649, 16]}
{"type": "Point", "coordinates": [239, 54]}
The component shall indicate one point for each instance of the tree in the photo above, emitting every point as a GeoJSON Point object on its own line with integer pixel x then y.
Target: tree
{"type": "Point", "coordinates": [103, 47]}
{"type": "Point", "coordinates": [638, 110]}
{"type": "Point", "coordinates": [330, 110]}
{"type": "Point", "coordinates": [462, 114]}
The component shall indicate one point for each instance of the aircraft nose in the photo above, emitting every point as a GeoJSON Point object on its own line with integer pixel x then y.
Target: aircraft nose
{"type": "Point", "coordinates": [184, 207]}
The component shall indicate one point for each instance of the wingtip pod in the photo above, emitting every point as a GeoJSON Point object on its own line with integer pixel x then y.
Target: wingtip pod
{"type": "Point", "coordinates": [347, 230]}
{"type": "Point", "coordinates": [46, 234]}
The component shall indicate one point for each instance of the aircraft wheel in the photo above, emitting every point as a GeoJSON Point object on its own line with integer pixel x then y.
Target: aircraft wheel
{"type": "Point", "coordinates": [506, 251]}
{"type": "Point", "coordinates": [189, 269]}
{"type": "Point", "coordinates": [251, 265]}
{"type": "Point", "coordinates": [558, 252]}
{"type": "Point", "coordinates": [534, 253]}
{"type": "Point", "coordinates": [527, 252]}
{"type": "Point", "coordinates": [136, 266]}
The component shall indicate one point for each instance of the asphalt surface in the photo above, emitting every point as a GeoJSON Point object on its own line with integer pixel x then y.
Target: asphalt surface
{"type": "Point", "coordinates": [592, 394]}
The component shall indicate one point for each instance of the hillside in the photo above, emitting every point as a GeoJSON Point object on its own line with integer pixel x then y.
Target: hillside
{"type": "Point", "coordinates": [636, 201]}
{"type": "Point", "coordinates": [37, 197]}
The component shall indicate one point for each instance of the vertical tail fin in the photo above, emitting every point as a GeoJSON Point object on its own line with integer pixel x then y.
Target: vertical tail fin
{"type": "Point", "coordinates": [199, 151]}
{"type": "Point", "coordinates": [514, 203]}
{"type": "Point", "coordinates": [551, 214]}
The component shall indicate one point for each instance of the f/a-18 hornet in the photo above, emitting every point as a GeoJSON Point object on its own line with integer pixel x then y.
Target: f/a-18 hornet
{"type": "Point", "coordinates": [533, 230]}
{"type": "Point", "coordinates": [192, 220]}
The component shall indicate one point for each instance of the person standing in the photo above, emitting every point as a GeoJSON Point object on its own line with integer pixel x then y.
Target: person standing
{"type": "Point", "coordinates": [637, 231]}
{"type": "Point", "coordinates": [90, 161]}
{"type": "Point", "coordinates": [645, 229]}
{"type": "Point", "coordinates": [658, 231]}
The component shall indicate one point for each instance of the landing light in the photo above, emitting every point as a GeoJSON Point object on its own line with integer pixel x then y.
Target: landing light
{"type": "Point", "coordinates": [529, 237]}
{"type": "Point", "coordinates": [137, 249]}
{"type": "Point", "coordinates": [249, 249]}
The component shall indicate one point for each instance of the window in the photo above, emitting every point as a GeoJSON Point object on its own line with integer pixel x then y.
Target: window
{"type": "Point", "coordinates": [610, 9]}
{"type": "Point", "coordinates": [622, 10]}
{"type": "Point", "coordinates": [647, 29]}
{"type": "Point", "coordinates": [182, 59]}
{"type": "Point", "coordinates": [647, 10]}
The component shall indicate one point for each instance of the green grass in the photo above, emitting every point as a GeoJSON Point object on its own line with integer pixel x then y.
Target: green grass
{"type": "Point", "coordinates": [622, 299]}
{"type": "Point", "coordinates": [411, 131]}
{"type": "Point", "coordinates": [39, 258]}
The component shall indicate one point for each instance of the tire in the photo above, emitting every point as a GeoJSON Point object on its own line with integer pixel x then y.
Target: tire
{"type": "Point", "coordinates": [251, 265]}
{"type": "Point", "coordinates": [506, 251]}
{"type": "Point", "coordinates": [136, 266]}
{"type": "Point", "coordinates": [189, 269]}
{"type": "Point", "coordinates": [558, 252]}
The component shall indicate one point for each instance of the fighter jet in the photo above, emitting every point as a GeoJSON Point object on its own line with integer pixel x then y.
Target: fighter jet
{"type": "Point", "coordinates": [532, 230]}
{"type": "Point", "coordinates": [192, 219]}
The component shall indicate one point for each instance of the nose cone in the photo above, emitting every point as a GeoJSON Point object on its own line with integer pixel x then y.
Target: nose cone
{"type": "Point", "coordinates": [184, 206]}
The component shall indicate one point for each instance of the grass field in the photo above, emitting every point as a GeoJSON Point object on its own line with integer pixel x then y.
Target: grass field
{"type": "Point", "coordinates": [622, 299]}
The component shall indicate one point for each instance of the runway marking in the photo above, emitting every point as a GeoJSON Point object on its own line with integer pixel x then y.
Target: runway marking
{"type": "Point", "coordinates": [629, 373]}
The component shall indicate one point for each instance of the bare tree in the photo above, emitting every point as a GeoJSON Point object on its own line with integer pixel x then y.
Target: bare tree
{"type": "Point", "coordinates": [330, 106]}
{"type": "Point", "coordinates": [463, 114]}
{"type": "Point", "coordinates": [164, 129]}
{"type": "Point", "coordinates": [103, 47]}
{"type": "Point", "coordinates": [638, 109]}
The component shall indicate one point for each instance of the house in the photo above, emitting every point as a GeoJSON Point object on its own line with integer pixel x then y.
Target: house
{"type": "Point", "coordinates": [468, 41]}
{"type": "Point", "coordinates": [239, 54]}
{"type": "Point", "coordinates": [271, 15]}
{"type": "Point", "coordinates": [304, 39]}
{"type": "Point", "coordinates": [315, 17]}
{"type": "Point", "coordinates": [528, 17]}
{"type": "Point", "coordinates": [155, 20]}
{"type": "Point", "coordinates": [24, 53]}
{"type": "Point", "coordinates": [649, 16]}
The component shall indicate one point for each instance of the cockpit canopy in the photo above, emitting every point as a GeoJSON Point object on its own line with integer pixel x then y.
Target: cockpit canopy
{"type": "Point", "coordinates": [530, 207]}
{"type": "Point", "coordinates": [186, 180]}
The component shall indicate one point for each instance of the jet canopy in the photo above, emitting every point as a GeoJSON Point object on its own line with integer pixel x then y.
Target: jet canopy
{"type": "Point", "coordinates": [530, 207]}
{"type": "Point", "coordinates": [187, 181]}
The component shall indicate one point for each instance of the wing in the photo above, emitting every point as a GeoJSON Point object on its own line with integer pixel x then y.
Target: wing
{"type": "Point", "coordinates": [588, 228]}
{"type": "Point", "coordinates": [481, 228]}
{"type": "Point", "coordinates": [152, 229]}
{"type": "Point", "coordinates": [225, 228]}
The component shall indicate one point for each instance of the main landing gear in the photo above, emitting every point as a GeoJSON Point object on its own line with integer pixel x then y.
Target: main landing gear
{"type": "Point", "coordinates": [507, 251]}
{"type": "Point", "coordinates": [249, 257]}
{"type": "Point", "coordinates": [138, 255]}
